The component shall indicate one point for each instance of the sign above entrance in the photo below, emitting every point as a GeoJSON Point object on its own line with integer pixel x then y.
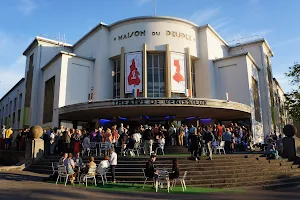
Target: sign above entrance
{"type": "Point", "coordinates": [168, 33]}
{"type": "Point", "coordinates": [165, 102]}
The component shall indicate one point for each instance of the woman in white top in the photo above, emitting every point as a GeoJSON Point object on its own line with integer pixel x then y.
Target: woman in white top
{"type": "Point", "coordinates": [103, 165]}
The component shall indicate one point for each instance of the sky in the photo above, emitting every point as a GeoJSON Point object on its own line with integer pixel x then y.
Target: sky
{"type": "Point", "coordinates": [22, 20]}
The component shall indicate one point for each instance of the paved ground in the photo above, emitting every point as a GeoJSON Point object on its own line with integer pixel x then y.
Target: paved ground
{"type": "Point", "coordinates": [29, 186]}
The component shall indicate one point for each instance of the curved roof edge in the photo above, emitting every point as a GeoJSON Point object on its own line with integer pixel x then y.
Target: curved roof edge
{"type": "Point", "coordinates": [153, 17]}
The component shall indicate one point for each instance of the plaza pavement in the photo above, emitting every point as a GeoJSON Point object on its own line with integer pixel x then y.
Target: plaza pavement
{"type": "Point", "coordinates": [19, 185]}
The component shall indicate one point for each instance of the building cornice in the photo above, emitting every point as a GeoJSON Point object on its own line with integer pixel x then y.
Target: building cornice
{"type": "Point", "coordinates": [263, 41]}
{"type": "Point", "coordinates": [38, 39]}
{"type": "Point", "coordinates": [64, 53]}
{"type": "Point", "coordinates": [238, 55]}
{"type": "Point", "coordinates": [277, 83]}
{"type": "Point", "coordinates": [16, 85]}
{"type": "Point", "coordinates": [215, 33]}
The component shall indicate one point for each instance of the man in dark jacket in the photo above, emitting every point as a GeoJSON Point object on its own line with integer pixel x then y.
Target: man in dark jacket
{"type": "Point", "coordinates": [208, 137]}
{"type": "Point", "coordinates": [148, 140]}
{"type": "Point", "coordinates": [194, 145]}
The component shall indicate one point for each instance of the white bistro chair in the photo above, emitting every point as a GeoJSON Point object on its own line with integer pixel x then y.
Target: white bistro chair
{"type": "Point", "coordinates": [103, 175]}
{"type": "Point", "coordinates": [93, 147]}
{"type": "Point", "coordinates": [54, 168]}
{"type": "Point", "coordinates": [104, 147]}
{"type": "Point", "coordinates": [163, 177]}
{"type": "Point", "coordinates": [146, 177]}
{"type": "Point", "coordinates": [90, 175]}
{"type": "Point", "coordinates": [182, 181]}
{"type": "Point", "coordinates": [219, 148]}
{"type": "Point", "coordinates": [62, 173]}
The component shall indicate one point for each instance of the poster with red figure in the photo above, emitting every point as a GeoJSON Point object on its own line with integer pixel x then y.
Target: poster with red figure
{"type": "Point", "coordinates": [133, 71]}
{"type": "Point", "coordinates": [178, 72]}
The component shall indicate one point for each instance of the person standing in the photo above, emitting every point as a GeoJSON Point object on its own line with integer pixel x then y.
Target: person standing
{"type": "Point", "coordinates": [148, 140]}
{"type": "Point", "coordinates": [8, 136]}
{"type": "Point", "coordinates": [180, 135]}
{"type": "Point", "coordinates": [208, 137]}
{"type": "Point", "coordinates": [67, 139]}
{"type": "Point", "coordinates": [194, 145]}
{"type": "Point", "coordinates": [113, 161]}
{"type": "Point", "coordinates": [60, 140]}
{"type": "Point", "coordinates": [2, 137]}
{"type": "Point", "coordinates": [52, 141]}
{"type": "Point", "coordinates": [227, 138]}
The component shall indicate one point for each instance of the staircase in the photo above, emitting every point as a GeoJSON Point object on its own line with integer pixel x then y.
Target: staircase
{"type": "Point", "coordinates": [235, 170]}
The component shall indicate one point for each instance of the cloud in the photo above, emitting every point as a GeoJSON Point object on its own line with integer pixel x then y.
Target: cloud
{"type": "Point", "coordinates": [221, 23]}
{"type": "Point", "coordinates": [287, 42]}
{"type": "Point", "coordinates": [203, 16]}
{"type": "Point", "coordinates": [26, 7]}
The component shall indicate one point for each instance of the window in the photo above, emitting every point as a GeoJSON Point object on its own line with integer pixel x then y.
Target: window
{"type": "Point", "coordinates": [116, 75]}
{"type": "Point", "coordinates": [13, 119]}
{"type": "Point", "coordinates": [156, 75]}
{"type": "Point", "coordinates": [19, 115]}
{"type": "Point", "coordinates": [10, 107]}
{"type": "Point", "coordinates": [15, 104]}
{"type": "Point", "coordinates": [193, 78]}
{"type": "Point", "coordinates": [255, 94]}
{"type": "Point", "coordinates": [20, 101]}
{"type": "Point", "coordinates": [6, 110]}
{"type": "Point", "coordinates": [28, 85]}
{"type": "Point", "coordinates": [48, 100]}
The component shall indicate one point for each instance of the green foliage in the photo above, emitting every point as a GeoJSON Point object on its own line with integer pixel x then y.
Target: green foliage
{"type": "Point", "coordinates": [293, 98]}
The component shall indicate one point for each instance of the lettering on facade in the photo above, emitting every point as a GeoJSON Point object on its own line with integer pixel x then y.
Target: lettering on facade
{"type": "Point", "coordinates": [160, 102]}
{"type": "Point", "coordinates": [131, 34]}
{"type": "Point", "coordinates": [169, 33]}
{"type": "Point", "coordinates": [179, 35]}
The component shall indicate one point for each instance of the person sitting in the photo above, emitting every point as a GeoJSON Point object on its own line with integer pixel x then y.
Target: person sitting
{"type": "Point", "coordinates": [103, 165]}
{"type": "Point", "coordinates": [129, 146]}
{"type": "Point", "coordinates": [70, 165]}
{"type": "Point", "coordinates": [150, 169]}
{"type": "Point", "coordinates": [271, 152]}
{"type": "Point", "coordinates": [62, 159]}
{"type": "Point", "coordinates": [78, 160]}
{"type": "Point", "coordinates": [87, 167]}
{"type": "Point", "coordinates": [175, 170]}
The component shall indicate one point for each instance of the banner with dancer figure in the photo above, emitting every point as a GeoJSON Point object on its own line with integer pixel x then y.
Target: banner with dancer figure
{"type": "Point", "coordinates": [133, 72]}
{"type": "Point", "coordinates": [178, 72]}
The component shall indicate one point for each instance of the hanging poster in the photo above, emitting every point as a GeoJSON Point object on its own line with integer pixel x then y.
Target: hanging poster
{"type": "Point", "coordinates": [133, 72]}
{"type": "Point", "coordinates": [178, 72]}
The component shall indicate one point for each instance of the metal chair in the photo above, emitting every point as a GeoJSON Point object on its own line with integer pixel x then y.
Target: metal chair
{"type": "Point", "coordinates": [90, 175]}
{"type": "Point", "coordinates": [93, 147]}
{"type": "Point", "coordinates": [163, 177]}
{"type": "Point", "coordinates": [220, 147]}
{"type": "Point", "coordinates": [103, 176]}
{"type": "Point", "coordinates": [146, 177]}
{"type": "Point", "coordinates": [161, 147]}
{"type": "Point", "coordinates": [62, 173]}
{"type": "Point", "coordinates": [104, 146]}
{"type": "Point", "coordinates": [182, 181]}
{"type": "Point", "coordinates": [54, 168]}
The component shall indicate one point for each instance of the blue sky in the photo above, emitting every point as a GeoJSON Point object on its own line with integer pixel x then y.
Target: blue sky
{"type": "Point", "coordinates": [22, 20]}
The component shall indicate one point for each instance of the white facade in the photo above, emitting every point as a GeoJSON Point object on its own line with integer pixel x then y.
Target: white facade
{"type": "Point", "coordinates": [85, 68]}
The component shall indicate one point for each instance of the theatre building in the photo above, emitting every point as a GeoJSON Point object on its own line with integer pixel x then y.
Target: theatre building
{"type": "Point", "coordinates": [178, 71]}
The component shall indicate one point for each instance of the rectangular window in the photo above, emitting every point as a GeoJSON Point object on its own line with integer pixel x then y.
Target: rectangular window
{"type": "Point", "coordinates": [19, 115]}
{"type": "Point", "coordinates": [10, 107]}
{"type": "Point", "coordinates": [28, 85]}
{"type": "Point", "coordinates": [6, 110]}
{"type": "Point", "coordinates": [193, 78]}
{"type": "Point", "coordinates": [48, 100]}
{"type": "Point", "coordinates": [15, 104]}
{"type": "Point", "coordinates": [13, 119]}
{"type": "Point", "coordinates": [156, 75]}
{"type": "Point", "coordinates": [255, 94]}
{"type": "Point", "coordinates": [116, 75]}
{"type": "Point", "coordinates": [20, 101]}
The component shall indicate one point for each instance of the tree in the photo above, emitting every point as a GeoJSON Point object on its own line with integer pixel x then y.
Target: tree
{"type": "Point", "coordinates": [293, 98]}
